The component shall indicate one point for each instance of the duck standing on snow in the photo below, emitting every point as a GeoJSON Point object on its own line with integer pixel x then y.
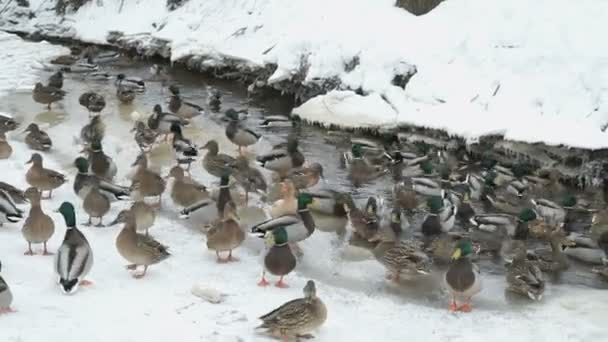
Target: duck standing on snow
{"type": "Point", "coordinates": [95, 130]}
{"type": "Point", "coordinates": [296, 318]}
{"type": "Point", "coordinates": [85, 181]}
{"type": "Point", "coordinates": [185, 149]}
{"type": "Point", "coordinates": [15, 194]}
{"type": "Point", "coordinates": [92, 101]}
{"type": "Point", "coordinates": [523, 276]}
{"type": "Point", "coordinates": [181, 108]}
{"type": "Point", "coordinates": [144, 136]}
{"type": "Point", "coordinates": [8, 210]}
{"type": "Point", "coordinates": [186, 191]}
{"type": "Point", "coordinates": [102, 165]}
{"type": "Point", "coordinates": [279, 259]}
{"type": "Point", "coordinates": [96, 204]}
{"type": "Point", "coordinates": [75, 256]}
{"type": "Point", "coordinates": [38, 227]}
{"type": "Point", "coordinates": [462, 278]}
{"type": "Point", "coordinates": [287, 204]}
{"type": "Point", "coordinates": [5, 148]}
{"type": "Point", "coordinates": [227, 234]}
{"type": "Point", "coordinates": [239, 136]}
{"type": "Point", "coordinates": [250, 178]}
{"type": "Point", "coordinates": [37, 139]}
{"type": "Point", "coordinates": [282, 161]}
{"type": "Point", "coordinates": [47, 95]}
{"type": "Point", "coordinates": [147, 183]}
{"type": "Point", "coordinates": [138, 249]}
{"type": "Point", "coordinates": [41, 178]}
{"type": "Point", "coordinates": [6, 296]}
{"type": "Point", "coordinates": [400, 257]}
{"type": "Point", "coordinates": [215, 163]}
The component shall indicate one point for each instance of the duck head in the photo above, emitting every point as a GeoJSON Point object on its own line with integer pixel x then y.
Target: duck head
{"type": "Point", "coordinates": [435, 204]}
{"type": "Point", "coordinates": [32, 128]}
{"type": "Point", "coordinates": [212, 147]}
{"type": "Point", "coordinates": [310, 290]}
{"type": "Point", "coordinates": [82, 164]}
{"type": "Point", "coordinates": [123, 216]}
{"type": "Point", "coordinates": [568, 201]}
{"type": "Point", "coordinates": [35, 159]}
{"type": "Point", "coordinates": [463, 249]}
{"type": "Point", "coordinates": [304, 200]}
{"type": "Point", "coordinates": [357, 151]}
{"type": "Point", "coordinates": [277, 236]}
{"type": "Point", "coordinates": [174, 90]}
{"type": "Point", "coordinates": [67, 211]}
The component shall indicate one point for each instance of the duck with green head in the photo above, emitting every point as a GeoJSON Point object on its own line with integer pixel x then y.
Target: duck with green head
{"type": "Point", "coordinates": [360, 170]}
{"type": "Point", "coordinates": [554, 213]}
{"type": "Point", "coordinates": [85, 181]}
{"type": "Point", "coordinates": [75, 256]}
{"type": "Point", "coordinates": [509, 225]}
{"type": "Point", "coordinates": [297, 227]}
{"type": "Point", "coordinates": [279, 259]}
{"type": "Point", "coordinates": [441, 216]}
{"type": "Point", "coordinates": [283, 161]}
{"type": "Point", "coordinates": [462, 278]}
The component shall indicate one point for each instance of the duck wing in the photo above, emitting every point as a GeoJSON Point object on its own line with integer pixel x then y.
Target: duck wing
{"type": "Point", "coordinates": [282, 221]}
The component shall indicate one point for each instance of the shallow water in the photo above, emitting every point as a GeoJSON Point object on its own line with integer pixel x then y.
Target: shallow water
{"type": "Point", "coordinates": [336, 271]}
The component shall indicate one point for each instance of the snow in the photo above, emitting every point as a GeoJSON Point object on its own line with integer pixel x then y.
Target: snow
{"type": "Point", "coordinates": [484, 66]}
{"type": "Point", "coordinates": [162, 306]}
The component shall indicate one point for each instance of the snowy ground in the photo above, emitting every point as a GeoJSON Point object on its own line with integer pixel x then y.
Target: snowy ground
{"type": "Point", "coordinates": [160, 307]}
{"type": "Point", "coordinates": [484, 66]}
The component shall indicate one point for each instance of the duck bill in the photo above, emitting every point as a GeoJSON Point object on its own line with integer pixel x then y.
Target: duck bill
{"type": "Point", "coordinates": [457, 254]}
{"type": "Point", "coordinates": [29, 161]}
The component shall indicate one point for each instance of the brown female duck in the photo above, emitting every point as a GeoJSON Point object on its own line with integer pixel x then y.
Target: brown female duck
{"type": "Point", "coordinates": [41, 178]}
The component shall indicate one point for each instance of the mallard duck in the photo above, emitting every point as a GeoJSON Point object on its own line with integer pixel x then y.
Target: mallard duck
{"type": "Point", "coordinates": [400, 257]}
{"type": "Point", "coordinates": [101, 165]}
{"type": "Point", "coordinates": [552, 212]}
{"type": "Point", "coordinates": [147, 183]}
{"type": "Point", "coordinates": [279, 260]}
{"type": "Point", "coordinates": [556, 262]}
{"type": "Point", "coordinates": [47, 95]}
{"type": "Point", "coordinates": [6, 296]}
{"type": "Point", "coordinates": [185, 191]}
{"type": "Point", "coordinates": [7, 123]}
{"type": "Point", "coordinates": [441, 217]}
{"type": "Point", "coordinates": [328, 202]}
{"type": "Point", "coordinates": [75, 257]}
{"type": "Point", "coordinates": [184, 148]}
{"type": "Point", "coordinates": [296, 318]}
{"type": "Point", "coordinates": [86, 67]}
{"type": "Point", "coordinates": [93, 131]}
{"type": "Point", "coordinates": [37, 139]}
{"type": "Point", "coordinates": [241, 137]}
{"type": "Point", "coordinates": [41, 178]}
{"type": "Point", "coordinates": [144, 136]}
{"type": "Point", "coordinates": [5, 148]}
{"type": "Point", "coordinates": [523, 277]}
{"type": "Point", "coordinates": [15, 194]}
{"type": "Point", "coordinates": [281, 161]}
{"type": "Point", "coordinates": [8, 210]}
{"type": "Point", "coordinates": [144, 215]}
{"type": "Point", "coordinates": [505, 223]}
{"type": "Point", "coordinates": [306, 177]}
{"type": "Point", "coordinates": [224, 196]}
{"type": "Point", "coordinates": [138, 249]}
{"type": "Point", "coordinates": [404, 198]}
{"type": "Point", "coordinates": [65, 60]}
{"type": "Point", "coordinates": [161, 121]}
{"type": "Point", "coordinates": [181, 108]}
{"type": "Point", "coordinates": [215, 163]}
{"type": "Point", "coordinates": [360, 170]}
{"type": "Point", "coordinates": [297, 227]}
{"type": "Point", "coordinates": [420, 167]}
{"type": "Point", "coordinates": [84, 181]}
{"type": "Point", "coordinates": [365, 223]}
{"type": "Point", "coordinates": [276, 121]}
{"type": "Point", "coordinates": [92, 101]}
{"type": "Point", "coordinates": [227, 234]}
{"type": "Point", "coordinates": [288, 204]}
{"type": "Point", "coordinates": [426, 186]}
{"type": "Point", "coordinates": [132, 83]}
{"type": "Point", "coordinates": [462, 278]}
{"type": "Point", "coordinates": [214, 99]}
{"type": "Point", "coordinates": [250, 178]}
{"type": "Point", "coordinates": [505, 203]}
{"type": "Point", "coordinates": [56, 80]}
{"type": "Point", "coordinates": [577, 219]}
{"type": "Point", "coordinates": [397, 222]}
{"type": "Point", "coordinates": [125, 95]}
{"type": "Point", "coordinates": [96, 204]}
{"type": "Point", "coordinates": [38, 226]}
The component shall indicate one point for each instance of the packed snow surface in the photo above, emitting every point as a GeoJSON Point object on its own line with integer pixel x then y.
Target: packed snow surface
{"type": "Point", "coordinates": [531, 70]}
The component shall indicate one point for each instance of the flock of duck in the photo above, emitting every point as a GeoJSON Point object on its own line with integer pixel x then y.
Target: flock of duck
{"type": "Point", "coordinates": [470, 209]}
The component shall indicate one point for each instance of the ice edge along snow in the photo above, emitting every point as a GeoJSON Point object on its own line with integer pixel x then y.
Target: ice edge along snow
{"type": "Point", "coordinates": [484, 67]}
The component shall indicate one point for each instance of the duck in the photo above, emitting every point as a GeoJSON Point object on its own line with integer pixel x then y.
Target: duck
{"type": "Point", "coordinates": [298, 227]}
{"type": "Point", "coordinates": [279, 259]}
{"type": "Point", "coordinates": [86, 67]}
{"type": "Point", "coordinates": [360, 170]}
{"type": "Point", "coordinates": [101, 165]}
{"type": "Point", "coordinates": [96, 204]}
{"type": "Point", "coordinates": [65, 60]}
{"type": "Point", "coordinates": [144, 136]}
{"type": "Point", "coordinates": [463, 279]}
{"type": "Point", "coordinates": [74, 258]}
{"type": "Point", "coordinates": [214, 99]}
{"type": "Point", "coordinates": [132, 83]}
{"type": "Point", "coordinates": [215, 163]}
{"type": "Point", "coordinates": [92, 101]}
{"type": "Point", "coordinates": [296, 318]}
{"type": "Point", "coordinates": [557, 262]}
{"type": "Point", "coordinates": [404, 197]}
{"type": "Point", "coordinates": [400, 257]}
{"type": "Point", "coordinates": [37, 139]}
{"type": "Point", "coordinates": [147, 183]}
{"type": "Point", "coordinates": [138, 249]}
{"type": "Point", "coordinates": [552, 212]}
{"type": "Point", "coordinates": [7, 123]}
{"type": "Point", "coordinates": [85, 180]}
{"type": "Point", "coordinates": [241, 137]}
{"type": "Point", "coordinates": [505, 203]}
{"type": "Point", "coordinates": [250, 178]}
{"type": "Point", "coordinates": [365, 223]}
{"type": "Point", "coordinates": [426, 186]}
{"type": "Point", "coordinates": [17, 195]}
{"type": "Point", "coordinates": [523, 276]}
{"type": "Point", "coordinates": [47, 95]}
{"type": "Point", "coordinates": [38, 226]}
{"type": "Point", "coordinates": [144, 214]}
{"type": "Point", "coordinates": [5, 148]}
{"type": "Point", "coordinates": [282, 161]}
{"type": "Point", "coordinates": [185, 191]}
{"type": "Point", "coordinates": [181, 108]}
{"type": "Point", "coordinates": [227, 234]}
{"type": "Point", "coordinates": [287, 204]}
{"type": "Point", "coordinates": [185, 149]}
{"type": "Point", "coordinates": [307, 177]}
{"type": "Point", "coordinates": [505, 223]}
{"type": "Point", "coordinates": [161, 121]}
{"type": "Point", "coordinates": [397, 222]}
{"type": "Point", "coordinates": [125, 95]}
{"type": "Point", "coordinates": [8, 210]}
{"type": "Point", "coordinates": [41, 178]}
{"type": "Point", "coordinates": [223, 197]}
{"type": "Point", "coordinates": [56, 80]}
{"type": "Point", "coordinates": [420, 167]}
{"type": "Point", "coordinates": [328, 202]}
{"type": "Point", "coordinates": [93, 131]}
{"type": "Point", "coordinates": [6, 296]}
{"type": "Point", "coordinates": [441, 217]}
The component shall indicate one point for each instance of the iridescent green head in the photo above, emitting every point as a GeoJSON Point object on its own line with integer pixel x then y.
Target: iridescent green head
{"type": "Point", "coordinates": [67, 211]}
{"type": "Point", "coordinates": [81, 164]}
{"type": "Point", "coordinates": [427, 167]}
{"type": "Point", "coordinates": [527, 215]}
{"type": "Point", "coordinates": [463, 249]}
{"type": "Point", "coordinates": [489, 178]}
{"type": "Point", "coordinates": [96, 146]}
{"type": "Point", "coordinates": [435, 204]}
{"type": "Point", "coordinates": [304, 200]}
{"type": "Point", "coordinates": [569, 201]}
{"type": "Point", "coordinates": [277, 236]}
{"type": "Point", "coordinates": [357, 151]}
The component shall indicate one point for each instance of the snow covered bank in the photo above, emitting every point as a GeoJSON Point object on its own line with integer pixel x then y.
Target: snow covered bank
{"type": "Point", "coordinates": [511, 67]}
